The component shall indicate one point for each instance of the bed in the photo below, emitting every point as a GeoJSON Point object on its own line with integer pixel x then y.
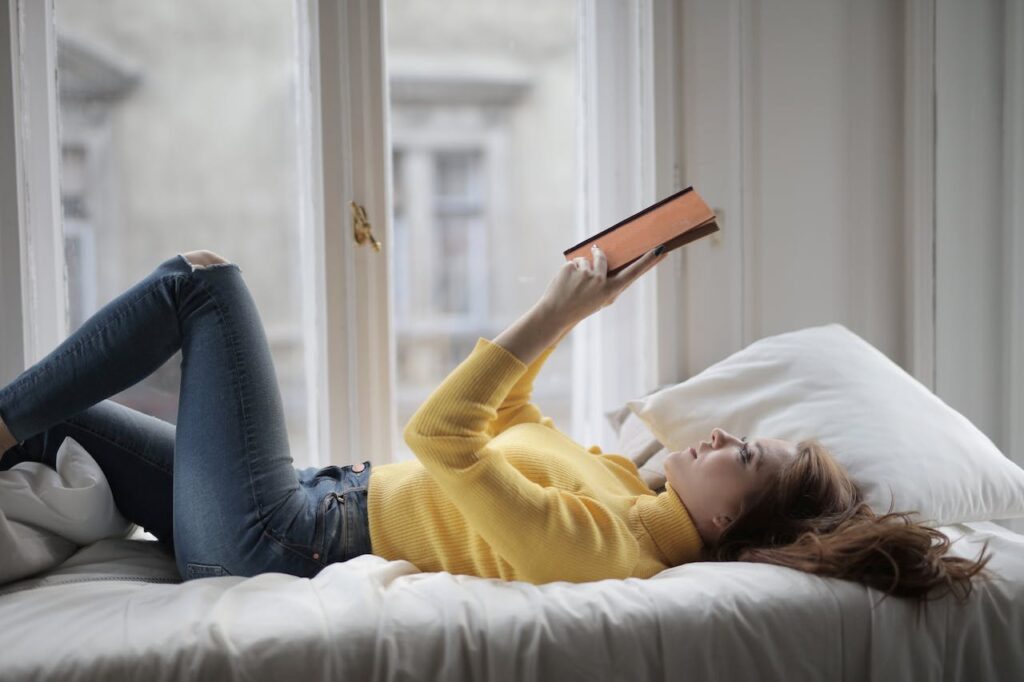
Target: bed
{"type": "Point", "coordinates": [116, 610]}
{"type": "Point", "coordinates": [110, 605]}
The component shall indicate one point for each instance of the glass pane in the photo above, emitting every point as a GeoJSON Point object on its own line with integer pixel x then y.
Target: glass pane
{"type": "Point", "coordinates": [179, 131]}
{"type": "Point", "coordinates": [483, 127]}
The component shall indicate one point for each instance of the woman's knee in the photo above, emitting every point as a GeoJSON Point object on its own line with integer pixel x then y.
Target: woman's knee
{"type": "Point", "coordinates": [203, 258]}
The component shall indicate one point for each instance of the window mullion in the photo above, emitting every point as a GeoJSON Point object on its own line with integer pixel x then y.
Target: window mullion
{"type": "Point", "coordinates": [350, 160]}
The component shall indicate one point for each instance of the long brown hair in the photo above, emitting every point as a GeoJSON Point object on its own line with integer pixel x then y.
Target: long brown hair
{"type": "Point", "coordinates": [813, 518]}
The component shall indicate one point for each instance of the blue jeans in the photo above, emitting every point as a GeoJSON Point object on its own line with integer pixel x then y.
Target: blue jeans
{"type": "Point", "coordinates": [220, 488]}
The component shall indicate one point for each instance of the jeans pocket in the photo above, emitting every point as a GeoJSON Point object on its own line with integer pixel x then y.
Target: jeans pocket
{"type": "Point", "coordinates": [193, 571]}
{"type": "Point", "coordinates": [328, 526]}
{"type": "Point", "coordinates": [357, 529]}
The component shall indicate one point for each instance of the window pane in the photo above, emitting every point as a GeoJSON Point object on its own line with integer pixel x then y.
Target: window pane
{"type": "Point", "coordinates": [179, 131]}
{"type": "Point", "coordinates": [483, 127]}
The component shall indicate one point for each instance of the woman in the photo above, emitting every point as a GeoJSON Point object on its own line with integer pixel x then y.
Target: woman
{"type": "Point", "coordinates": [496, 489]}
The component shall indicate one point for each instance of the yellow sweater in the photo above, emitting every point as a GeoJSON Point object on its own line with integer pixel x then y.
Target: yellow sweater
{"type": "Point", "coordinates": [499, 491]}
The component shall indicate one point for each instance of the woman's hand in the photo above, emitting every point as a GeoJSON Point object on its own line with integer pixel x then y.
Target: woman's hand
{"type": "Point", "coordinates": [576, 292]}
{"type": "Point", "coordinates": [580, 289]}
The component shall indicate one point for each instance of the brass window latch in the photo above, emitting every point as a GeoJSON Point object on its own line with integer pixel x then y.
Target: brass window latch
{"type": "Point", "coordinates": [361, 229]}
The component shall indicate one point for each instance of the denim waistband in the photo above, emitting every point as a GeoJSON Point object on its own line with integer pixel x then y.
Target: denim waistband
{"type": "Point", "coordinates": [344, 493]}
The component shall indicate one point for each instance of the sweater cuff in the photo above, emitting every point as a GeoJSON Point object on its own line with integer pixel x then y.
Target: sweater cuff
{"type": "Point", "coordinates": [487, 375]}
{"type": "Point", "coordinates": [493, 351]}
{"type": "Point", "coordinates": [480, 382]}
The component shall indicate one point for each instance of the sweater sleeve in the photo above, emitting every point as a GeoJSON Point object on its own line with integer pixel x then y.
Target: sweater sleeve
{"type": "Point", "coordinates": [517, 408]}
{"type": "Point", "coordinates": [545, 533]}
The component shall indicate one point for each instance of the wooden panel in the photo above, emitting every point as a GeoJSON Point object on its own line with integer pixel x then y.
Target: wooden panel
{"type": "Point", "coordinates": [919, 186]}
{"type": "Point", "coordinates": [792, 119]}
{"type": "Point", "coordinates": [826, 212]}
{"type": "Point", "coordinates": [710, 146]}
{"type": "Point", "coordinates": [970, 319]}
{"type": "Point", "coordinates": [1013, 221]}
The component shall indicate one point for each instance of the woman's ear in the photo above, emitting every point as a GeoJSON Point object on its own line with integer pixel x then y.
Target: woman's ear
{"type": "Point", "coordinates": [721, 521]}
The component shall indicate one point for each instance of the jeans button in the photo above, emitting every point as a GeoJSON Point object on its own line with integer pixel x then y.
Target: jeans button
{"type": "Point", "coordinates": [358, 467]}
{"type": "Point", "coordinates": [316, 555]}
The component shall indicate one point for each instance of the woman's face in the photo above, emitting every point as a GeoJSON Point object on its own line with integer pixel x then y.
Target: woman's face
{"type": "Point", "coordinates": [717, 477]}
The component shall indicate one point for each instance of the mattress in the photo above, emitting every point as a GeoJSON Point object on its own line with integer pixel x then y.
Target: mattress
{"type": "Point", "coordinates": [116, 609]}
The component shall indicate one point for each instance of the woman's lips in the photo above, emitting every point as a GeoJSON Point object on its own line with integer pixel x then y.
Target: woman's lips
{"type": "Point", "coordinates": [693, 453]}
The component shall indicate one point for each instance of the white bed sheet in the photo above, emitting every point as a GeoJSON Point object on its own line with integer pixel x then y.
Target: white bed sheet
{"type": "Point", "coordinates": [115, 610]}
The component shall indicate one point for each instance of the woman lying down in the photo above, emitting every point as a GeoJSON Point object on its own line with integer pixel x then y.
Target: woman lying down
{"type": "Point", "coordinates": [482, 498]}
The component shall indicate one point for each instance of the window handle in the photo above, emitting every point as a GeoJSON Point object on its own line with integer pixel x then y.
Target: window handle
{"type": "Point", "coordinates": [361, 229]}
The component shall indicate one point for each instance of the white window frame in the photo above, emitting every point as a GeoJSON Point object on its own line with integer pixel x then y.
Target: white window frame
{"type": "Point", "coordinates": [351, 376]}
{"type": "Point", "coordinates": [352, 418]}
{"type": "Point", "coordinates": [32, 274]}
{"type": "Point", "coordinates": [629, 158]}
{"type": "Point", "coordinates": [635, 48]}
{"type": "Point", "coordinates": [627, 57]}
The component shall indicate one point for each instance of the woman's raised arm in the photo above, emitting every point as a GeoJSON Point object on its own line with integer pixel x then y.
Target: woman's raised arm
{"type": "Point", "coordinates": [535, 330]}
{"type": "Point", "coordinates": [579, 289]}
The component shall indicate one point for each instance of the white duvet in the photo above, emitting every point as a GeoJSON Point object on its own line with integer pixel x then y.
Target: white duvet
{"type": "Point", "coordinates": [116, 611]}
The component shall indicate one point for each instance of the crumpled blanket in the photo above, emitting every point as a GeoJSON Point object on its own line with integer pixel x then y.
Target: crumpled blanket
{"type": "Point", "coordinates": [46, 514]}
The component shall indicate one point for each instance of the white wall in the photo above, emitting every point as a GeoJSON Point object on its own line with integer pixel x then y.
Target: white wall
{"type": "Point", "coordinates": [979, 180]}
{"type": "Point", "coordinates": [793, 125]}
{"type": "Point", "coordinates": [799, 120]}
{"type": "Point", "coordinates": [1013, 220]}
{"type": "Point", "coordinates": [975, 297]}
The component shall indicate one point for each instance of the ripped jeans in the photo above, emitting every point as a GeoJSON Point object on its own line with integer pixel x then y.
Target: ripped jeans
{"type": "Point", "coordinates": [220, 488]}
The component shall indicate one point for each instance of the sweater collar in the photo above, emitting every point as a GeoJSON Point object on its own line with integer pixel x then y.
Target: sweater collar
{"type": "Point", "coordinates": [670, 525]}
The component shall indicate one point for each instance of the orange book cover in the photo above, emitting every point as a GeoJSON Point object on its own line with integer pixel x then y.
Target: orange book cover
{"type": "Point", "coordinates": [674, 221]}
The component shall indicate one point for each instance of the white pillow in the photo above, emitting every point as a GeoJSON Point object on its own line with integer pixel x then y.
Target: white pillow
{"type": "Point", "coordinates": [46, 513]}
{"type": "Point", "coordinates": [886, 428]}
{"type": "Point", "coordinates": [636, 442]}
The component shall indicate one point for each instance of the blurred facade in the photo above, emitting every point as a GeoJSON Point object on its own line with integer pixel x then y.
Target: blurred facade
{"type": "Point", "coordinates": [483, 124]}
{"type": "Point", "coordinates": [180, 130]}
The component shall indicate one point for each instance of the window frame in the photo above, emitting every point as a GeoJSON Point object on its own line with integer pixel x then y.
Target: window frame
{"type": "Point", "coordinates": [350, 368]}
{"type": "Point", "coordinates": [32, 274]}
{"type": "Point", "coordinates": [351, 377]}
{"type": "Point", "coordinates": [630, 101]}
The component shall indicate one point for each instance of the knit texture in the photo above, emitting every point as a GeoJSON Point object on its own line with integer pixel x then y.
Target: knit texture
{"type": "Point", "coordinates": [497, 490]}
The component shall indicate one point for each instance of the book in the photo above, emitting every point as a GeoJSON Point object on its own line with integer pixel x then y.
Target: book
{"type": "Point", "coordinates": [674, 221]}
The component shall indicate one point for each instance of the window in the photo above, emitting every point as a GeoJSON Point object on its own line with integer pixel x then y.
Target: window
{"type": "Point", "coordinates": [483, 133]}
{"type": "Point", "coordinates": [178, 124]}
{"type": "Point", "coordinates": [178, 131]}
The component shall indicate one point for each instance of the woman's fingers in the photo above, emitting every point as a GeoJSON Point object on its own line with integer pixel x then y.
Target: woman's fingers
{"type": "Point", "coordinates": [635, 269]}
{"type": "Point", "coordinates": [600, 260]}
